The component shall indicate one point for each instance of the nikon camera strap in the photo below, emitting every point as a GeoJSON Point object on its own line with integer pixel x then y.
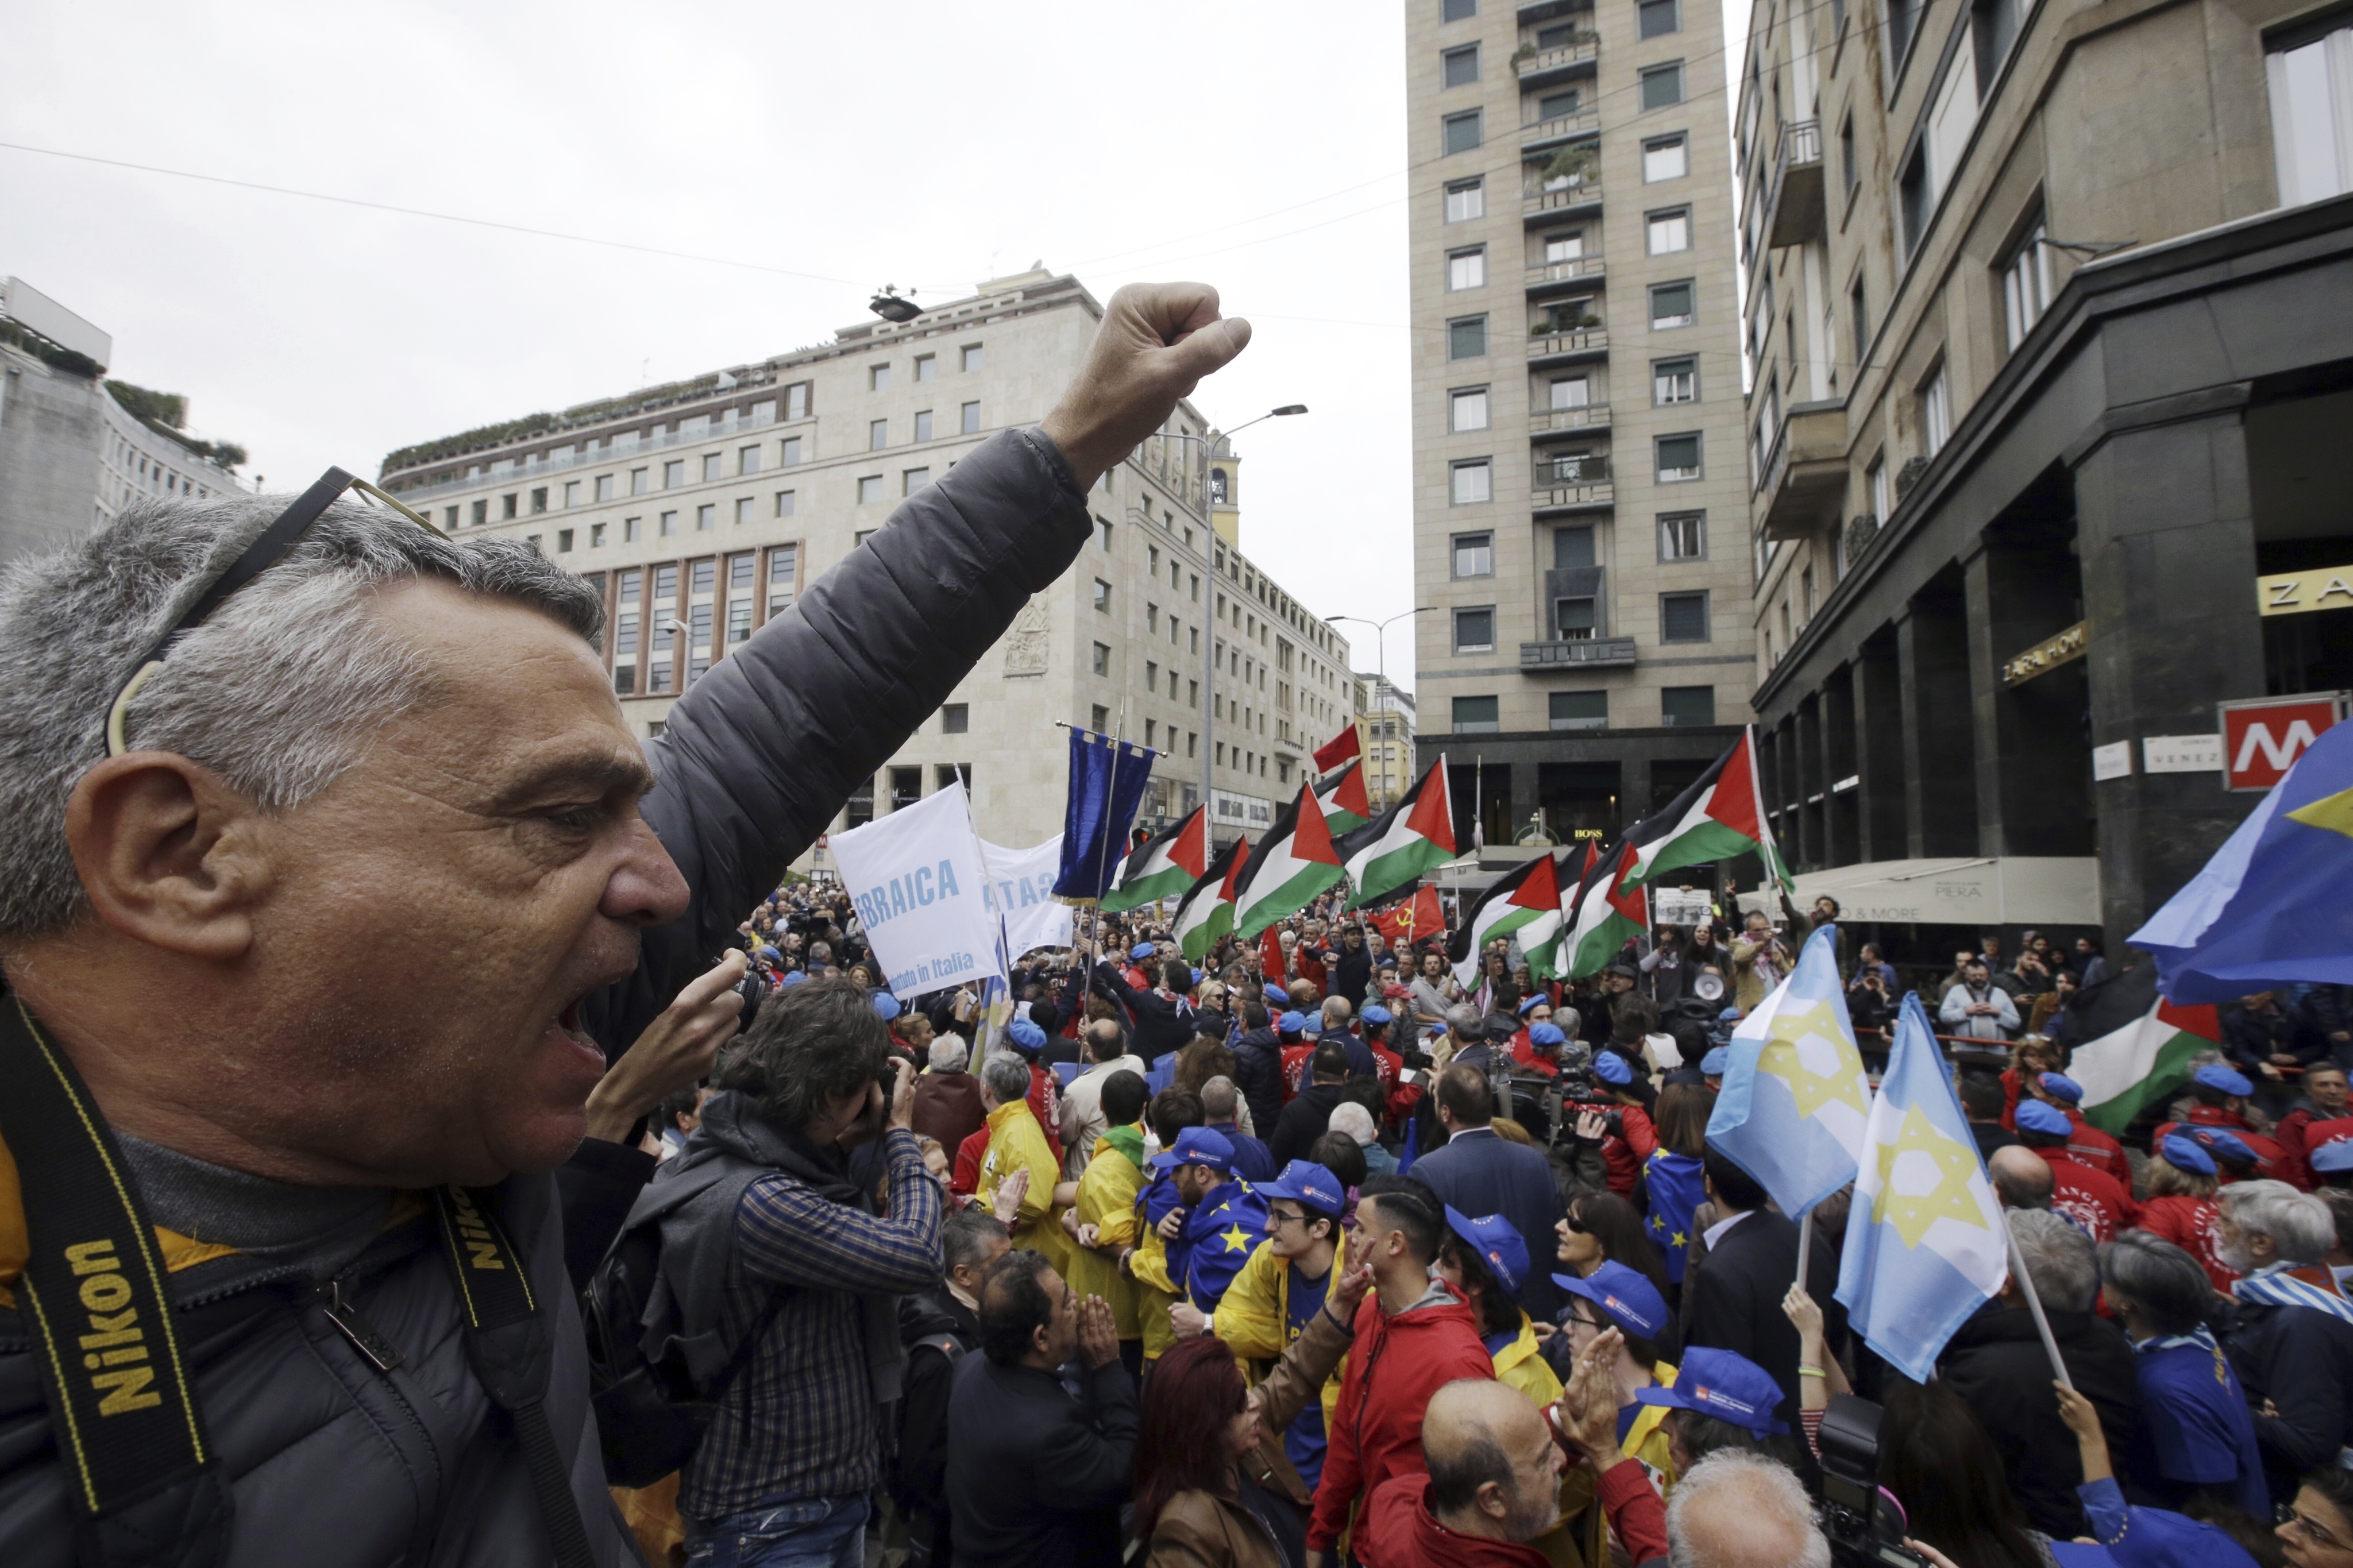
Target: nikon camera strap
{"type": "Point", "coordinates": [146, 1486]}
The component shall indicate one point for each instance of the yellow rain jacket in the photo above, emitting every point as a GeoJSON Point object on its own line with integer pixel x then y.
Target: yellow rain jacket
{"type": "Point", "coordinates": [1017, 1143]}
{"type": "Point", "coordinates": [1107, 1190]}
{"type": "Point", "coordinates": [1646, 1440]}
{"type": "Point", "coordinates": [1522, 1365]}
{"type": "Point", "coordinates": [1254, 1317]}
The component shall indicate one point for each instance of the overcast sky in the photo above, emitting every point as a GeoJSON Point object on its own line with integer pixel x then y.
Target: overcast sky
{"type": "Point", "coordinates": [1259, 146]}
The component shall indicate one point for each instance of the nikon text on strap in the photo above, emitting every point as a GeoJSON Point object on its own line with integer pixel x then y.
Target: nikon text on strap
{"type": "Point", "coordinates": [146, 1487]}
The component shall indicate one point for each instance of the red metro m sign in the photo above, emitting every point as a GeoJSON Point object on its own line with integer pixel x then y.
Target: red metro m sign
{"type": "Point", "coordinates": [2262, 737]}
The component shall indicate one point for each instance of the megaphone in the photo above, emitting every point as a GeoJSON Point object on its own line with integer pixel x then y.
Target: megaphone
{"type": "Point", "coordinates": [1708, 986]}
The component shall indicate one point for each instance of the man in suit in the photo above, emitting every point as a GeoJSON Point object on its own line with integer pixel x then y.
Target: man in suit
{"type": "Point", "coordinates": [1731, 1297]}
{"type": "Point", "coordinates": [1478, 1172]}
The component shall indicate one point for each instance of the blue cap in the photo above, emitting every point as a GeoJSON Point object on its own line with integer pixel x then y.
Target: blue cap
{"type": "Point", "coordinates": [1292, 1023]}
{"type": "Point", "coordinates": [2034, 1116]}
{"type": "Point", "coordinates": [792, 977]}
{"type": "Point", "coordinates": [1624, 1296]}
{"type": "Point", "coordinates": [886, 1006]}
{"type": "Point", "coordinates": [1276, 994]}
{"type": "Point", "coordinates": [1545, 1034]}
{"type": "Point", "coordinates": [2184, 1154]}
{"type": "Point", "coordinates": [1197, 977]}
{"type": "Point", "coordinates": [1142, 950]}
{"type": "Point", "coordinates": [1198, 1146]}
{"type": "Point", "coordinates": [1728, 1386]}
{"type": "Point", "coordinates": [1716, 1062]}
{"type": "Point", "coordinates": [1610, 1067]}
{"type": "Point", "coordinates": [1493, 1237]}
{"type": "Point", "coordinates": [2058, 1086]}
{"type": "Point", "coordinates": [2222, 1145]}
{"type": "Point", "coordinates": [2214, 1075]}
{"type": "Point", "coordinates": [2333, 1156]}
{"type": "Point", "coordinates": [771, 956]}
{"type": "Point", "coordinates": [1304, 1181]}
{"type": "Point", "coordinates": [1533, 999]}
{"type": "Point", "coordinates": [1025, 1036]}
{"type": "Point", "coordinates": [1376, 1014]}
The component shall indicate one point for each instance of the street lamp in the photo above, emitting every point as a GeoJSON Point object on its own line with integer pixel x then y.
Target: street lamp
{"type": "Point", "coordinates": [1208, 444]}
{"type": "Point", "coordinates": [1381, 654]}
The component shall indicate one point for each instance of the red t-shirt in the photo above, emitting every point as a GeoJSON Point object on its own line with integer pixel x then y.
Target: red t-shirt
{"type": "Point", "coordinates": [2091, 1147]}
{"type": "Point", "coordinates": [2191, 1224]}
{"type": "Point", "coordinates": [2270, 1160]}
{"type": "Point", "coordinates": [1294, 1068]}
{"type": "Point", "coordinates": [966, 1178]}
{"type": "Point", "coordinates": [2088, 1195]}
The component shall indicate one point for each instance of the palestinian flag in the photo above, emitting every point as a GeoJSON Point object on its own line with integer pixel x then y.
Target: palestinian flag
{"type": "Point", "coordinates": [1610, 908]}
{"type": "Point", "coordinates": [1346, 804]}
{"type": "Point", "coordinates": [1409, 920]}
{"type": "Point", "coordinates": [1206, 912]}
{"type": "Point", "coordinates": [1410, 838]}
{"type": "Point", "coordinates": [1291, 864]}
{"type": "Point", "coordinates": [1540, 938]}
{"type": "Point", "coordinates": [1349, 743]}
{"type": "Point", "coordinates": [1167, 862]}
{"type": "Point", "coordinates": [2138, 1046]}
{"type": "Point", "coordinates": [1525, 902]}
{"type": "Point", "coordinates": [1719, 817]}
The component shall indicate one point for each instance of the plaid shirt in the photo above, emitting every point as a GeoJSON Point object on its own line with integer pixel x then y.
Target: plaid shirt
{"type": "Point", "coordinates": [800, 1420]}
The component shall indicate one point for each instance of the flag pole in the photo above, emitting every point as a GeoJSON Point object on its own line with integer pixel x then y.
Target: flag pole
{"type": "Point", "coordinates": [1805, 1245]}
{"type": "Point", "coordinates": [2025, 1283]}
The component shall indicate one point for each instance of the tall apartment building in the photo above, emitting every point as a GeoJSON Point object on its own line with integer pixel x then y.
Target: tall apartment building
{"type": "Point", "coordinates": [705, 507]}
{"type": "Point", "coordinates": [1580, 515]}
{"type": "Point", "coordinates": [2054, 362]}
{"type": "Point", "coordinates": [1388, 723]}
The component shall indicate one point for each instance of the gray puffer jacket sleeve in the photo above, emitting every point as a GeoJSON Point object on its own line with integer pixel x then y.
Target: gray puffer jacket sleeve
{"type": "Point", "coordinates": [760, 753]}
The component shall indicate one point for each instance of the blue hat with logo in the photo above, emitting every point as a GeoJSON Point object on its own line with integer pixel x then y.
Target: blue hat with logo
{"type": "Point", "coordinates": [886, 1006]}
{"type": "Point", "coordinates": [1497, 1241]}
{"type": "Point", "coordinates": [2034, 1116]}
{"type": "Point", "coordinates": [1546, 1036]}
{"type": "Point", "coordinates": [1025, 1036]}
{"type": "Point", "coordinates": [2223, 1145]}
{"type": "Point", "coordinates": [1624, 1296]}
{"type": "Point", "coordinates": [1306, 1182]}
{"type": "Point", "coordinates": [2184, 1154]}
{"type": "Point", "coordinates": [2214, 1075]}
{"type": "Point", "coordinates": [1276, 994]}
{"type": "Point", "coordinates": [1198, 1146]}
{"type": "Point", "coordinates": [1292, 1023]}
{"type": "Point", "coordinates": [1533, 999]}
{"type": "Point", "coordinates": [792, 977]}
{"type": "Point", "coordinates": [1728, 1386]}
{"type": "Point", "coordinates": [1376, 1014]}
{"type": "Point", "coordinates": [1142, 950]}
{"type": "Point", "coordinates": [2058, 1086]}
{"type": "Point", "coordinates": [2333, 1156]}
{"type": "Point", "coordinates": [1611, 1068]}
{"type": "Point", "coordinates": [1718, 1062]}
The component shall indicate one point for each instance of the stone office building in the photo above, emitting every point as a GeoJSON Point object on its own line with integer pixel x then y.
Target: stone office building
{"type": "Point", "coordinates": [2052, 325]}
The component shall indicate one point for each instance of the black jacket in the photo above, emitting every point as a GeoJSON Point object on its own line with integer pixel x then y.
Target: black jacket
{"type": "Point", "coordinates": [1257, 1073]}
{"type": "Point", "coordinates": [1035, 1476]}
{"type": "Point", "coordinates": [2301, 1360]}
{"type": "Point", "coordinates": [1351, 974]}
{"type": "Point", "coordinates": [1996, 1361]}
{"type": "Point", "coordinates": [1303, 1121]}
{"type": "Point", "coordinates": [1732, 1300]}
{"type": "Point", "coordinates": [1163, 1024]}
{"type": "Point", "coordinates": [919, 1476]}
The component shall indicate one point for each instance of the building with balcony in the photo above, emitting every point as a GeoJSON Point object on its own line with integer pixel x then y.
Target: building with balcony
{"type": "Point", "coordinates": [1388, 721]}
{"type": "Point", "coordinates": [703, 507]}
{"type": "Point", "coordinates": [1580, 515]}
{"type": "Point", "coordinates": [2051, 362]}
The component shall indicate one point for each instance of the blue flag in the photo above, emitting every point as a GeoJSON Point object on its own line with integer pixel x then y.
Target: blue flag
{"type": "Point", "coordinates": [2270, 907]}
{"type": "Point", "coordinates": [1794, 1095]}
{"type": "Point", "coordinates": [1672, 1183]}
{"type": "Point", "coordinates": [1107, 780]}
{"type": "Point", "coordinates": [1227, 1226]}
{"type": "Point", "coordinates": [1925, 1242]}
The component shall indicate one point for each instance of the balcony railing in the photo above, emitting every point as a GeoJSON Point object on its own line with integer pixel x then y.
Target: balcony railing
{"type": "Point", "coordinates": [1797, 186]}
{"type": "Point", "coordinates": [1579, 342]}
{"type": "Point", "coordinates": [1559, 127]}
{"type": "Point", "coordinates": [1578, 652]}
{"type": "Point", "coordinates": [1592, 416]}
{"type": "Point", "coordinates": [1534, 68]}
{"type": "Point", "coordinates": [1583, 266]}
{"type": "Point", "coordinates": [1536, 200]}
{"type": "Point", "coordinates": [1802, 480]}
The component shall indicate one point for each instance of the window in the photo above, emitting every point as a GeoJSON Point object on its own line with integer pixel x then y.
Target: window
{"type": "Point", "coordinates": [877, 434]}
{"type": "Point", "coordinates": [743, 510]}
{"type": "Point", "coordinates": [1662, 86]}
{"type": "Point", "coordinates": [1459, 68]}
{"type": "Point", "coordinates": [1848, 168]}
{"type": "Point", "coordinates": [1861, 320]}
{"type": "Point", "coordinates": [632, 529]}
{"type": "Point", "coordinates": [673, 473]}
{"type": "Point", "coordinates": [1467, 409]}
{"type": "Point", "coordinates": [1670, 305]}
{"type": "Point", "coordinates": [971, 419]}
{"type": "Point", "coordinates": [1557, 105]}
{"type": "Point", "coordinates": [1474, 630]}
{"type": "Point", "coordinates": [1659, 17]}
{"type": "Point", "coordinates": [508, 502]}
{"type": "Point", "coordinates": [1687, 705]}
{"type": "Point", "coordinates": [1669, 231]}
{"type": "Point", "coordinates": [595, 536]}
{"type": "Point", "coordinates": [1461, 132]}
{"type": "Point", "coordinates": [1152, 621]}
{"type": "Point", "coordinates": [1102, 596]}
{"type": "Point", "coordinates": [1102, 534]}
{"type": "Point", "coordinates": [1466, 269]}
{"type": "Point", "coordinates": [923, 426]}
{"type": "Point", "coordinates": [785, 502]}
{"type": "Point", "coordinates": [927, 367]}
{"type": "Point", "coordinates": [859, 809]}
{"type": "Point", "coordinates": [1874, 484]}
{"type": "Point", "coordinates": [792, 450]}
{"type": "Point", "coordinates": [1457, 10]}
{"type": "Point", "coordinates": [1466, 338]}
{"type": "Point", "coordinates": [2311, 84]}
{"type": "Point", "coordinates": [747, 460]}
{"type": "Point", "coordinates": [739, 620]}
{"type": "Point", "coordinates": [1902, 21]}
{"type": "Point", "coordinates": [1570, 392]}
{"type": "Point", "coordinates": [701, 577]}
{"type": "Point", "coordinates": [1936, 414]}
{"type": "Point", "coordinates": [638, 481]}
{"type": "Point", "coordinates": [711, 467]}
{"type": "Point", "coordinates": [914, 479]}
{"type": "Point", "coordinates": [1476, 716]}
{"type": "Point", "coordinates": [1466, 200]}
{"type": "Point", "coordinates": [1683, 617]}
{"type": "Point", "coordinates": [668, 524]}
{"type": "Point", "coordinates": [571, 493]}
{"type": "Point", "coordinates": [1102, 724]}
{"type": "Point", "coordinates": [739, 573]}
{"type": "Point", "coordinates": [1568, 246]}
{"type": "Point", "coordinates": [877, 378]}
{"type": "Point", "coordinates": [563, 541]}
{"type": "Point", "coordinates": [704, 516]}
{"type": "Point", "coordinates": [1675, 381]}
{"type": "Point", "coordinates": [1683, 536]}
{"type": "Point", "coordinates": [604, 486]}
{"type": "Point", "coordinates": [1102, 659]}
{"type": "Point", "coordinates": [1917, 197]}
{"type": "Point", "coordinates": [1472, 483]}
{"type": "Point", "coordinates": [1151, 677]}
{"type": "Point", "coordinates": [482, 512]}
{"type": "Point", "coordinates": [1474, 555]}
{"type": "Point", "coordinates": [860, 536]}
{"type": "Point", "coordinates": [955, 718]}
{"type": "Point", "coordinates": [2026, 283]}
{"type": "Point", "coordinates": [1579, 710]}
{"type": "Point", "coordinates": [869, 488]}
{"type": "Point", "coordinates": [971, 358]}
{"type": "Point", "coordinates": [1667, 158]}
{"type": "Point", "coordinates": [1678, 458]}
{"type": "Point", "coordinates": [625, 677]}
{"type": "Point", "coordinates": [783, 562]}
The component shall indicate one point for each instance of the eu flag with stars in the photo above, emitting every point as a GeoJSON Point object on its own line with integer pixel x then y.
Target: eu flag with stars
{"type": "Point", "coordinates": [1227, 1226]}
{"type": "Point", "coordinates": [1107, 780]}
{"type": "Point", "coordinates": [1794, 1095]}
{"type": "Point", "coordinates": [1672, 1181]}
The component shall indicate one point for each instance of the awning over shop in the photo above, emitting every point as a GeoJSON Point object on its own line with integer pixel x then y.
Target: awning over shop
{"type": "Point", "coordinates": [1982, 890]}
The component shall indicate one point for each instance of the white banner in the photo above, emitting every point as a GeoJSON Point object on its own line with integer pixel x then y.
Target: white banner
{"type": "Point", "coordinates": [1021, 889]}
{"type": "Point", "coordinates": [921, 888]}
{"type": "Point", "coordinates": [1674, 907]}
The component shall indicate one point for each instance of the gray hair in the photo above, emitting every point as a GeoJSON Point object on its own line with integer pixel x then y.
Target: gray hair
{"type": "Point", "coordinates": [279, 692]}
{"type": "Point", "coordinates": [1219, 1098]}
{"type": "Point", "coordinates": [2162, 1282]}
{"type": "Point", "coordinates": [1764, 1497]}
{"type": "Point", "coordinates": [968, 1236]}
{"type": "Point", "coordinates": [1006, 1076]}
{"type": "Point", "coordinates": [2299, 1224]}
{"type": "Point", "coordinates": [948, 1054]}
{"type": "Point", "coordinates": [2061, 1260]}
{"type": "Point", "coordinates": [1353, 1120]}
{"type": "Point", "coordinates": [1464, 1021]}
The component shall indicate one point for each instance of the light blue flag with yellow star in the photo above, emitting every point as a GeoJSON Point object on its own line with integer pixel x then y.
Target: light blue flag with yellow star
{"type": "Point", "coordinates": [1925, 1244]}
{"type": "Point", "coordinates": [1225, 1228]}
{"type": "Point", "coordinates": [1794, 1095]}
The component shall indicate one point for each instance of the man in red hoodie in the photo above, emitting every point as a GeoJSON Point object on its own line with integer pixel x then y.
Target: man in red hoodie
{"type": "Point", "coordinates": [1413, 1337]}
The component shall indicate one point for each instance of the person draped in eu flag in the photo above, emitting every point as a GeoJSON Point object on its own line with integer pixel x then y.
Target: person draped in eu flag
{"type": "Point", "coordinates": [1224, 1219]}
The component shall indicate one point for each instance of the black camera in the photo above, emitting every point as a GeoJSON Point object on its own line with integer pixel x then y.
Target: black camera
{"type": "Point", "coordinates": [1865, 1524]}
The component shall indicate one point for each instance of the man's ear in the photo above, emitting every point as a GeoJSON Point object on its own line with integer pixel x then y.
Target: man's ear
{"type": "Point", "coordinates": [169, 854]}
{"type": "Point", "coordinates": [1493, 1501]}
